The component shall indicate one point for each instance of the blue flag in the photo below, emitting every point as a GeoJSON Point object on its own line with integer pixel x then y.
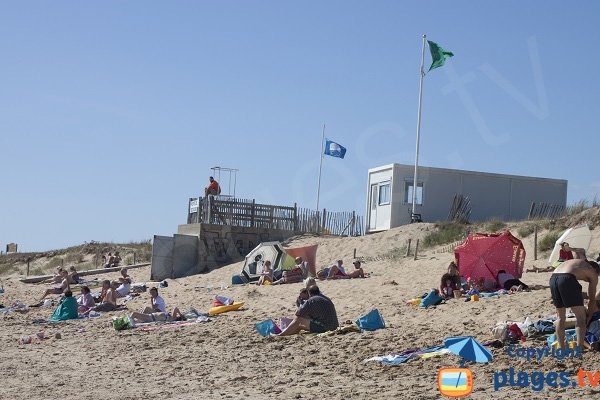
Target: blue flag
{"type": "Point", "coordinates": [334, 149]}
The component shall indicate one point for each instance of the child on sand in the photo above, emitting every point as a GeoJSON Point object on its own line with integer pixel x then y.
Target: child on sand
{"type": "Point", "coordinates": [266, 274]}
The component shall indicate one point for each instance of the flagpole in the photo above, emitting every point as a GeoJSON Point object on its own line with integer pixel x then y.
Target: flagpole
{"type": "Point", "coordinates": [415, 181]}
{"type": "Point", "coordinates": [320, 166]}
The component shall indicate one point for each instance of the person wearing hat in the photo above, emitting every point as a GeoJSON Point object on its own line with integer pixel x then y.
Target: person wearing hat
{"type": "Point", "coordinates": [358, 271]}
{"type": "Point", "coordinates": [213, 187]}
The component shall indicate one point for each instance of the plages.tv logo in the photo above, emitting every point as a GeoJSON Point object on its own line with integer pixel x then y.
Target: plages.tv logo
{"type": "Point", "coordinates": [458, 382]}
{"type": "Point", "coordinates": [455, 382]}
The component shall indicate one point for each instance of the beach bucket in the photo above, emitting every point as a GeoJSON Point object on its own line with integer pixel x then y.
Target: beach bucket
{"type": "Point", "coordinates": [415, 302]}
{"type": "Point", "coordinates": [457, 294]}
{"type": "Point", "coordinates": [571, 344]}
{"type": "Point", "coordinates": [474, 298]}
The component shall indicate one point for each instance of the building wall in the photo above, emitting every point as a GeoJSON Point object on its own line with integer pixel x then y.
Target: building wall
{"type": "Point", "coordinates": [506, 197]}
{"type": "Point", "coordinates": [199, 248]}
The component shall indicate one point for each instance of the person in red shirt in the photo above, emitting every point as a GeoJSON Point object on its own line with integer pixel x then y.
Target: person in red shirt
{"type": "Point", "coordinates": [565, 252]}
{"type": "Point", "coordinates": [212, 188]}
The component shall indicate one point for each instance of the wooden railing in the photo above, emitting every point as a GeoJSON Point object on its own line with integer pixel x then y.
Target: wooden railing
{"type": "Point", "coordinates": [243, 212]}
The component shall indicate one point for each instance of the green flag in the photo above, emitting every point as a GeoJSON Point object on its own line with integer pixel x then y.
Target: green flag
{"type": "Point", "coordinates": [438, 55]}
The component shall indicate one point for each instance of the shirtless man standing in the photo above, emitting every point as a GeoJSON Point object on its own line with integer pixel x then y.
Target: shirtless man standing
{"type": "Point", "coordinates": [566, 292]}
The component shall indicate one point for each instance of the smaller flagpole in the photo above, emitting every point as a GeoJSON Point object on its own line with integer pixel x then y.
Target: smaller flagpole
{"type": "Point", "coordinates": [415, 181]}
{"type": "Point", "coordinates": [320, 166]}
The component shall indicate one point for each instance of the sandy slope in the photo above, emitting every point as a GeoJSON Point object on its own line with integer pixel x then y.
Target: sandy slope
{"type": "Point", "coordinates": [226, 358]}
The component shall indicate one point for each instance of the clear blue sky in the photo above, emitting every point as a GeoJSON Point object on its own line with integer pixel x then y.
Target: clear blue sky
{"type": "Point", "coordinates": [113, 112]}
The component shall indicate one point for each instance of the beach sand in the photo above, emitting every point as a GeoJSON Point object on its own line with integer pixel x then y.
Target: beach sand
{"type": "Point", "coordinates": [226, 358]}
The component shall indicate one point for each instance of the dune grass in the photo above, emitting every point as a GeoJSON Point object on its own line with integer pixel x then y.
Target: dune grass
{"type": "Point", "coordinates": [444, 233]}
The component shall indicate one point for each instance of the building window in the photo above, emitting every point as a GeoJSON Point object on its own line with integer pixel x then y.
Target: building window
{"type": "Point", "coordinates": [408, 193]}
{"type": "Point", "coordinates": [384, 194]}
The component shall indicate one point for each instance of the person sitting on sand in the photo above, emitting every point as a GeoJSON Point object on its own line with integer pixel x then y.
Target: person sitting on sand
{"type": "Point", "coordinates": [266, 275]}
{"type": "Point", "coordinates": [336, 271]}
{"type": "Point", "coordinates": [565, 252]}
{"type": "Point", "coordinates": [67, 308]}
{"type": "Point", "coordinates": [108, 259]}
{"type": "Point", "coordinates": [124, 283]}
{"type": "Point", "coordinates": [157, 311]}
{"type": "Point", "coordinates": [60, 289]}
{"type": "Point", "coordinates": [57, 277]}
{"type": "Point", "coordinates": [74, 277]}
{"type": "Point", "coordinates": [86, 300]}
{"type": "Point", "coordinates": [450, 281]}
{"type": "Point", "coordinates": [358, 271]}
{"type": "Point", "coordinates": [116, 260]}
{"type": "Point", "coordinates": [316, 315]}
{"type": "Point", "coordinates": [137, 317]}
{"type": "Point", "coordinates": [303, 265]}
{"type": "Point", "coordinates": [509, 282]}
{"type": "Point", "coordinates": [566, 292]}
{"type": "Point", "coordinates": [302, 297]}
{"type": "Point", "coordinates": [109, 298]}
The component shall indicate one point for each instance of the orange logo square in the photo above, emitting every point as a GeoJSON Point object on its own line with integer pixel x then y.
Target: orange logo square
{"type": "Point", "coordinates": [455, 382]}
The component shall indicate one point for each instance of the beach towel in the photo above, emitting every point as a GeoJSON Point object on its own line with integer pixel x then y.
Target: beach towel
{"type": "Point", "coordinates": [156, 326]}
{"type": "Point", "coordinates": [67, 309]}
{"type": "Point", "coordinates": [371, 321]}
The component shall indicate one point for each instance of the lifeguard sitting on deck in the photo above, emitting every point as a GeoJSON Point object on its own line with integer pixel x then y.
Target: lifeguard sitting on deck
{"type": "Point", "coordinates": [213, 187]}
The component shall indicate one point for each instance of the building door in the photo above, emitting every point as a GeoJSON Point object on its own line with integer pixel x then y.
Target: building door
{"type": "Point", "coordinates": [373, 208]}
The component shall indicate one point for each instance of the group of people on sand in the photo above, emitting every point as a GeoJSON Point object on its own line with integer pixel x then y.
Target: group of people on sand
{"type": "Point", "coordinates": [452, 282]}
{"type": "Point", "coordinates": [65, 278]}
{"type": "Point", "coordinates": [301, 271]}
{"type": "Point", "coordinates": [111, 260]}
{"type": "Point", "coordinates": [565, 289]}
{"type": "Point", "coordinates": [107, 301]}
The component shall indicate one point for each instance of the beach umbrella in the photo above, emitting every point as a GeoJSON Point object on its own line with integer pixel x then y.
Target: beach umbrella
{"type": "Point", "coordinates": [482, 255]}
{"type": "Point", "coordinates": [271, 251]}
{"type": "Point", "coordinates": [578, 236]}
{"type": "Point", "coordinates": [468, 348]}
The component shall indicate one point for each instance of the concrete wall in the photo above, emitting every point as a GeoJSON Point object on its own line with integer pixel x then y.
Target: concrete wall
{"type": "Point", "coordinates": [199, 248]}
{"type": "Point", "coordinates": [507, 197]}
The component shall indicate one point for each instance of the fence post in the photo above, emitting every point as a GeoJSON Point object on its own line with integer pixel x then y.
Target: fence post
{"type": "Point", "coordinates": [252, 213]}
{"type": "Point", "coordinates": [324, 220]}
{"type": "Point", "coordinates": [295, 224]}
{"type": "Point", "coordinates": [408, 248]}
{"type": "Point", "coordinates": [62, 262]}
{"type": "Point", "coordinates": [535, 235]}
{"type": "Point", "coordinates": [28, 260]}
{"type": "Point", "coordinates": [209, 209]}
{"type": "Point", "coordinates": [416, 249]}
{"type": "Point", "coordinates": [353, 225]}
{"type": "Point", "coordinates": [354, 254]}
{"type": "Point", "coordinates": [134, 260]}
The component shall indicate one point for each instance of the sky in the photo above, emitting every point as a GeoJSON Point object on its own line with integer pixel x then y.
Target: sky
{"type": "Point", "coordinates": [112, 113]}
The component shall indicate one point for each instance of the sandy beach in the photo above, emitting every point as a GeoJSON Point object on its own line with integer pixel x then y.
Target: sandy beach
{"type": "Point", "coordinates": [226, 358]}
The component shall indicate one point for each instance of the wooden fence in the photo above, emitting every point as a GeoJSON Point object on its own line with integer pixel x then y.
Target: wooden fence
{"type": "Point", "coordinates": [544, 210]}
{"type": "Point", "coordinates": [248, 213]}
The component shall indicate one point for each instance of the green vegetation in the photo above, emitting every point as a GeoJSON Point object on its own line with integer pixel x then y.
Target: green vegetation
{"type": "Point", "coordinates": [74, 258]}
{"type": "Point", "coordinates": [446, 232]}
{"type": "Point", "coordinates": [547, 242]}
{"type": "Point", "coordinates": [84, 257]}
{"type": "Point", "coordinates": [495, 225]}
{"type": "Point", "coordinates": [526, 230]}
